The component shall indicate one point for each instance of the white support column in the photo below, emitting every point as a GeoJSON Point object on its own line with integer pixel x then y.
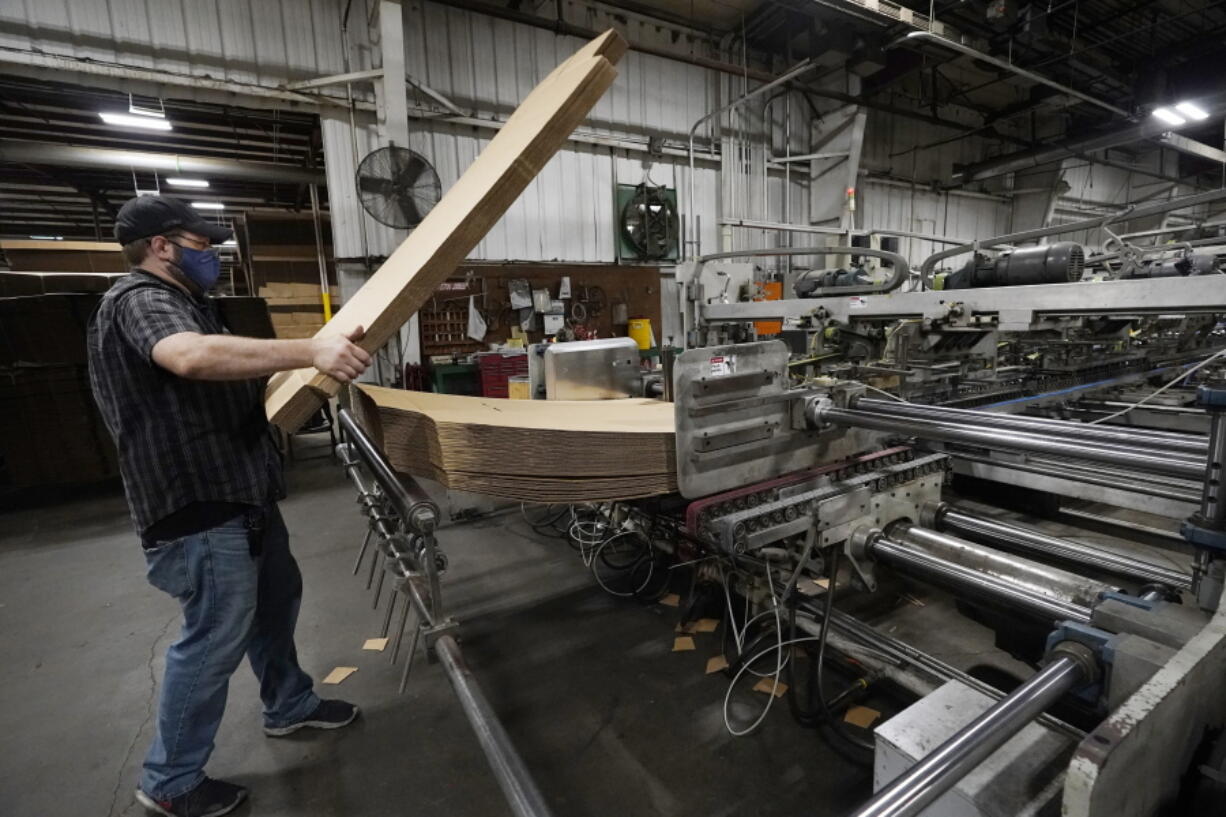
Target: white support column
{"type": "Point", "coordinates": [393, 104]}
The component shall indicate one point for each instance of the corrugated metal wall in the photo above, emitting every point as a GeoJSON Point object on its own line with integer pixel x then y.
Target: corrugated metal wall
{"type": "Point", "coordinates": [489, 65]}
{"type": "Point", "coordinates": [266, 42]}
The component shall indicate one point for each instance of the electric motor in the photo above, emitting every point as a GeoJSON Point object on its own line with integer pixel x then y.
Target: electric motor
{"type": "Point", "coordinates": [1058, 263]}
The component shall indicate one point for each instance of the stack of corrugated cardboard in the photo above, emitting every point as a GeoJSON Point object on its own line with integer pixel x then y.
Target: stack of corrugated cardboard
{"type": "Point", "coordinates": [296, 309]}
{"type": "Point", "coordinates": [532, 450]}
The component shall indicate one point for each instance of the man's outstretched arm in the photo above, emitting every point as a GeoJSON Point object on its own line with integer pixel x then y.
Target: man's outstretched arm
{"type": "Point", "coordinates": [197, 356]}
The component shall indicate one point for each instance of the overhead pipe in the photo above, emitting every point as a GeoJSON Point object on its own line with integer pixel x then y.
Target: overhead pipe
{"type": "Point", "coordinates": [1149, 128]}
{"type": "Point", "coordinates": [930, 37]}
{"type": "Point", "coordinates": [899, 273]}
{"type": "Point", "coordinates": [16, 151]}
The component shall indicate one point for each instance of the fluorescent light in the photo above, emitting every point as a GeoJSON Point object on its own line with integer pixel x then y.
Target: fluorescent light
{"type": "Point", "coordinates": [229, 242]}
{"type": "Point", "coordinates": [47, 237]}
{"type": "Point", "coordinates": [130, 121]}
{"type": "Point", "coordinates": [140, 192]}
{"type": "Point", "coordinates": [1169, 117]}
{"type": "Point", "coordinates": [139, 111]}
{"type": "Point", "coordinates": [1192, 111]}
{"type": "Point", "coordinates": [208, 205]}
{"type": "Point", "coordinates": [187, 182]}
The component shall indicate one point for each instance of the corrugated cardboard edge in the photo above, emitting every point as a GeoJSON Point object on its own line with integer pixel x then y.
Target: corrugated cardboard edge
{"type": "Point", "coordinates": [292, 397]}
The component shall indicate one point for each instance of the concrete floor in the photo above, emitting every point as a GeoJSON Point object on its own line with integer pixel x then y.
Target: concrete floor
{"type": "Point", "coordinates": [608, 719]}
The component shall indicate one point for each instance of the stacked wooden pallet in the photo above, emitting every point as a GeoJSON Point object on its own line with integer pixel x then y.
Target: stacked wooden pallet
{"type": "Point", "coordinates": [532, 450]}
{"type": "Point", "coordinates": [460, 220]}
{"type": "Point", "coordinates": [296, 309]}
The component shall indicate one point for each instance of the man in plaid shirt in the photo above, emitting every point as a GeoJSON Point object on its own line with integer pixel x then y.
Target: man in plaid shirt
{"type": "Point", "coordinates": [183, 399]}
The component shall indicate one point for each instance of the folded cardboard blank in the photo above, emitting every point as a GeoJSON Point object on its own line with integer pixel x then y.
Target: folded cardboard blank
{"type": "Point", "coordinates": [539, 126]}
{"type": "Point", "coordinates": [532, 450]}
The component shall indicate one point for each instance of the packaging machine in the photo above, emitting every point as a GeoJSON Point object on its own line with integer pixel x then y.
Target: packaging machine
{"type": "Point", "coordinates": [824, 465]}
{"type": "Point", "coordinates": [821, 463]}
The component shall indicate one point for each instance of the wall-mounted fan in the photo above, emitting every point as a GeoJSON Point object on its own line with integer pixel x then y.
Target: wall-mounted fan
{"type": "Point", "coordinates": [647, 222]}
{"type": "Point", "coordinates": [397, 186]}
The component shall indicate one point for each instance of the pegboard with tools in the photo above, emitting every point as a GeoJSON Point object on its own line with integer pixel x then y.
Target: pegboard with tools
{"type": "Point", "coordinates": [601, 300]}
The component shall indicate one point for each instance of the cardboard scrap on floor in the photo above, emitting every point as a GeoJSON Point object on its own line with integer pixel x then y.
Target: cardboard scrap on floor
{"type": "Point", "coordinates": [765, 685]}
{"type": "Point", "coordinates": [377, 644]}
{"type": "Point", "coordinates": [683, 643]}
{"type": "Point", "coordinates": [716, 663]}
{"type": "Point", "coordinates": [671, 600]}
{"type": "Point", "coordinates": [861, 716]}
{"type": "Point", "coordinates": [460, 220]}
{"type": "Point", "coordinates": [339, 674]}
{"type": "Point", "coordinates": [706, 625]}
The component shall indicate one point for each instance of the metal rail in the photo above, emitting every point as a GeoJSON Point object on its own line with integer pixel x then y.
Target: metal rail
{"type": "Point", "coordinates": [509, 769]}
{"type": "Point", "coordinates": [1164, 441]}
{"type": "Point", "coordinates": [916, 789]}
{"type": "Point", "coordinates": [1135, 481]}
{"type": "Point", "coordinates": [990, 531]}
{"type": "Point", "coordinates": [992, 438]}
{"type": "Point", "coordinates": [419, 512]}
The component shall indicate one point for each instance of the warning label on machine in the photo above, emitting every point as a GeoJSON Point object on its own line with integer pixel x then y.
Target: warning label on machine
{"type": "Point", "coordinates": [723, 365]}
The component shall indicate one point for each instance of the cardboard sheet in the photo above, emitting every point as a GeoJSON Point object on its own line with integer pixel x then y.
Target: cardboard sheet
{"type": "Point", "coordinates": [459, 221]}
{"type": "Point", "coordinates": [339, 674]}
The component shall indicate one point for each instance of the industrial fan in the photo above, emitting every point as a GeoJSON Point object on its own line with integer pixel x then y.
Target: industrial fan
{"type": "Point", "coordinates": [648, 222]}
{"type": "Point", "coordinates": [397, 186]}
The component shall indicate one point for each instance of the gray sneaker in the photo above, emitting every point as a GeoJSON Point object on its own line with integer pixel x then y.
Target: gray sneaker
{"type": "Point", "coordinates": [212, 798]}
{"type": "Point", "coordinates": [330, 714]}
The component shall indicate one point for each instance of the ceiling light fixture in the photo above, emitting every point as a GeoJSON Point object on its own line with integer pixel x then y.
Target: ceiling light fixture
{"type": "Point", "coordinates": [1192, 111]}
{"type": "Point", "coordinates": [47, 237]}
{"type": "Point", "coordinates": [208, 205]}
{"type": "Point", "coordinates": [229, 242]}
{"type": "Point", "coordinates": [131, 121]}
{"type": "Point", "coordinates": [1169, 117]}
{"type": "Point", "coordinates": [141, 110]}
{"type": "Point", "coordinates": [187, 182]}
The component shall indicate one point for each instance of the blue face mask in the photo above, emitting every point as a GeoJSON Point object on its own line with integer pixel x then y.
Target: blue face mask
{"type": "Point", "coordinates": [202, 267]}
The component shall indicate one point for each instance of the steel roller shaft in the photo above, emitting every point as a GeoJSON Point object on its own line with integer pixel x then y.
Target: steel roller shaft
{"type": "Point", "coordinates": [916, 789]}
{"type": "Point", "coordinates": [881, 547]}
{"type": "Point", "coordinates": [994, 532]}
{"type": "Point", "coordinates": [1036, 577]}
{"type": "Point", "coordinates": [992, 438]}
{"type": "Point", "coordinates": [1160, 441]}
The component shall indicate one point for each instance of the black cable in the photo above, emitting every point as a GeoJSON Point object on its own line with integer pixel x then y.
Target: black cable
{"type": "Point", "coordinates": [805, 717]}
{"type": "Point", "coordinates": [835, 725]}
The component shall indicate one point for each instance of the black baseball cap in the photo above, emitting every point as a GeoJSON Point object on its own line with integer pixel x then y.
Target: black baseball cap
{"type": "Point", "coordinates": [146, 216]}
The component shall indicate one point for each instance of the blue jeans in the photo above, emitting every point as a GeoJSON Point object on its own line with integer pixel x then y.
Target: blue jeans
{"type": "Point", "coordinates": [233, 604]}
